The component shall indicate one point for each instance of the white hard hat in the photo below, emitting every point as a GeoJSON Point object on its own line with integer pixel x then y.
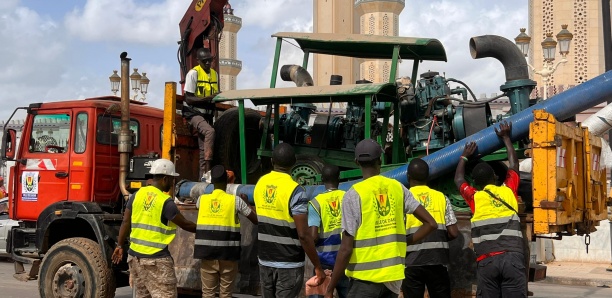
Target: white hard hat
{"type": "Point", "coordinates": [163, 167]}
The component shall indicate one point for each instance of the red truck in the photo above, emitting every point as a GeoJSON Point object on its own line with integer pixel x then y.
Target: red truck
{"type": "Point", "coordinates": [75, 164]}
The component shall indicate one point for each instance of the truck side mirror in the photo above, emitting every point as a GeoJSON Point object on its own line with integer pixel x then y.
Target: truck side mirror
{"type": "Point", "coordinates": [8, 144]}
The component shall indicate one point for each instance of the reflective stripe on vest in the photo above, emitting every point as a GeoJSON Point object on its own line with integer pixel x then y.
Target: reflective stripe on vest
{"type": "Point", "coordinates": [207, 85]}
{"type": "Point", "coordinates": [277, 235]}
{"type": "Point", "coordinates": [149, 235]}
{"type": "Point", "coordinates": [328, 206]}
{"type": "Point", "coordinates": [494, 226]}
{"type": "Point", "coordinates": [433, 250]}
{"type": "Point", "coordinates": [218, 230]}
{"type": "Point", "coordinates": [380, 241]}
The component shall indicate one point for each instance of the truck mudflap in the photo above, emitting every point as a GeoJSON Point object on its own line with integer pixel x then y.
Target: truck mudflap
{"type": "Point", "coordinates": [188, 269]}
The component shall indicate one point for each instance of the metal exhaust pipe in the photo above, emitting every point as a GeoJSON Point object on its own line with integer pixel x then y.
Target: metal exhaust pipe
{"type": "Point", "coordinates": [125, 135]}
{"type": "Point", "coordinates": [297, 74]}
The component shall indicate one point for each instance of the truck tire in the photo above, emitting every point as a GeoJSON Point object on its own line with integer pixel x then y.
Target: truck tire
{"type": "Point", "coordinates": [227, 144]}
{"type": "Point", "coordinates": [75, 267]}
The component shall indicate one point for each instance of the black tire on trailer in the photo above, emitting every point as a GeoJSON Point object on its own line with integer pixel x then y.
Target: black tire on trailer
{"type": "Point", "coordinates": [227, 146]}
{"type": "Point", "coordinates": [305, 169]}
{"type": "Point", "coordinates": [75, 267]}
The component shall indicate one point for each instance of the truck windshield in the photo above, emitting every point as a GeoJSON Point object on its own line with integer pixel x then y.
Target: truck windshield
{"type": "Point", "coordinates": [50, 133]}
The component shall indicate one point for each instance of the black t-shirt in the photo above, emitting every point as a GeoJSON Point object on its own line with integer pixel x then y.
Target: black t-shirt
{"type": "Point", "coordinates": [169, 211]}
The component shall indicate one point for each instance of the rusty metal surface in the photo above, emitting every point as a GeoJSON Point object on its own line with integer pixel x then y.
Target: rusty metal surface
{"type": "Point", "coordinates": [462, 266]}
{"type": "Point", "coordinates": [188, 269]}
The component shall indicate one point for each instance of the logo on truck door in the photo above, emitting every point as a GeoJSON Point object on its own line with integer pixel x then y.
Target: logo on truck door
{"type": "Point", "coordinates": [29, 186]}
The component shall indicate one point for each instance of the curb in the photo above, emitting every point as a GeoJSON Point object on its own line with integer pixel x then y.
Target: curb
{"type": "Point", "coordinates": [577, 281]}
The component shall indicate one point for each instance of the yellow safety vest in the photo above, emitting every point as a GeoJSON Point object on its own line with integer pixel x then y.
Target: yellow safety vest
{"type": "Point", "coordinates": [277, 235]}
{"type": "Point", "coordinates": [328, 206]}
{"type": "Point", "coordinates": [380, 241]}
{"type": "Point", "coordinates": [218, 232]}
{"type": "Point", "coordinates": [207, 85]}
{"type": "Point", "coordinates": [433, 250]}
{"type": "Point", "coordinates": [149, 235]}
{"type": "Point", "coordinates": [494, 226]}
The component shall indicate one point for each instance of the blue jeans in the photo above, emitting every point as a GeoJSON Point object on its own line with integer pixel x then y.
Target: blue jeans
{"type": "Point", "coordinates": [341, 287]}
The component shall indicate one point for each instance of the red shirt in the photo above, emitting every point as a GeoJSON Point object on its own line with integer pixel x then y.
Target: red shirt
{"type": "Point", "coordinates": [467, 191]}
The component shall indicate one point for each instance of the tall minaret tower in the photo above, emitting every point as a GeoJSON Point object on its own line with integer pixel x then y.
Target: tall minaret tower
{"type": "Point", "coordinates": [334, 16]}
{"type": "Point", "coordinates": [378, 17]}
{"type": "Point", "coordinates": [230, 67]}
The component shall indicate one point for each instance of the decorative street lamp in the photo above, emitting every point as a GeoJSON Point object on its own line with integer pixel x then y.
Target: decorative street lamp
{"type": "Point", "coordinates": [549, 46]}
{"type": "Point", "coordinates": [115, 80]}
{"type": "Point", "coordinates": [144, 85]}
{"type": "Point", "coordinates": [522, 41]}
{"type": "Point", "coordinates": [135, 78]}
{"type": "Point", "coordinates": [138, 82]}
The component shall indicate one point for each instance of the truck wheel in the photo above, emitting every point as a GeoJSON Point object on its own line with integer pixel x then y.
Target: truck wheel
{"type": "Point", "coordinates": [75, 267]}
{"type": "Point", "coordinates": [227, 146]}
{"type": "Point", "coordinates": [306, 168]}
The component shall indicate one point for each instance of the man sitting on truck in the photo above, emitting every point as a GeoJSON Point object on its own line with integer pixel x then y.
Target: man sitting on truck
{"type": "Point", "coordinates": [151, 217]}
{"type": "Point", "coordinates": [496, 226]}
{"type": "Point", "coordinates": [217, 239]}
{"type": "Point", "coordinates": [201, 85]}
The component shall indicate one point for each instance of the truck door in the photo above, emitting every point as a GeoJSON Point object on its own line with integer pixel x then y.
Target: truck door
{"type": "Point", "coordinates": [43, 177]}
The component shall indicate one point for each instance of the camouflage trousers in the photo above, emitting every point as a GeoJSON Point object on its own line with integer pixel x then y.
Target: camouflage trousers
{"type": "Point", "coordinates": [153, 277]}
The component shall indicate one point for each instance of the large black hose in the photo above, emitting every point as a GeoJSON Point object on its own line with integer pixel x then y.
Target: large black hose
{"type": "Point", "coordinates": [503, 50]}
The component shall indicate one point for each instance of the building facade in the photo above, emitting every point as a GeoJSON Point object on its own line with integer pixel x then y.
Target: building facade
{"type": "Point", "coordinates": [586, 56]}
{"type": "Point", "coordinates": [375, 17]}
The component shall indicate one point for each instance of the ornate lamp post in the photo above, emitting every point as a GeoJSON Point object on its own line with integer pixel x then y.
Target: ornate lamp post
{"type": "Point", "coordinates": [115, 80]}
{"type": "Point", "coordinates": [549, 46]}
{"type": "Point", "coordinates": [144, 85]}
{"type": "Point", "coordinates": [135, 81]}
{"type": "Point", "coordinates": [138, 82]}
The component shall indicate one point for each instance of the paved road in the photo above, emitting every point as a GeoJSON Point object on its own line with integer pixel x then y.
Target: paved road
{"type": "Point", "coordinates": [11, 288]}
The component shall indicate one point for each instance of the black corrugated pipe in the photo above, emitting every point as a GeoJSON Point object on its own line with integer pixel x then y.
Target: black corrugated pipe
{"type": "Point", "coordinates": [503, 50]}
{"type": "Point", "coordinates": [297, 74]}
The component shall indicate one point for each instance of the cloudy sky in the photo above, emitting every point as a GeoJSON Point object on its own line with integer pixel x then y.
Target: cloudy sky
{"type": "Point", "coordinates": [61, 50]}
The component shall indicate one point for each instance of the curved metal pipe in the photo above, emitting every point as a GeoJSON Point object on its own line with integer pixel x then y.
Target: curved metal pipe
{"type": "Point", "coordinates": [124, 146]}
{"type": "Point", "coordinates": [297, 74]}
{"type": "Point", "coordinates": [503, 50]}
{"type": "Point", "coordinates": [563, 105]}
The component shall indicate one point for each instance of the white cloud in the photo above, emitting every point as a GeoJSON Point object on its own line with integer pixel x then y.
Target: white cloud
{"type": "Point", "coordinates": [8, 5]}
{"type": "Point", "coordinates": [33, 56]}
{"type": "Point", "coordinates": [127, 21]}
{"type": "Point", "coordinates": [463, 20]}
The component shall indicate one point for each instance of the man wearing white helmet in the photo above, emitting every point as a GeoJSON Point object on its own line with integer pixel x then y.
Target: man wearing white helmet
{"type": "Point", "coordinates": [151, 216]}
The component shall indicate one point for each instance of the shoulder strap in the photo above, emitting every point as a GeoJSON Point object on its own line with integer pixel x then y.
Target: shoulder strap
{"type": "Point", "coordinates": [502, 201]}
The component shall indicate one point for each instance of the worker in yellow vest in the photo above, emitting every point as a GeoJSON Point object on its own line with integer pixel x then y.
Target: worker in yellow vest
{"type": "Point", "coordinates": [217, 239]}
{"type": "Point", "coordinates": [427, 261]}
{"type": "Point", "coordinates": [324, 222]}
{"type": "Point", "coordinates": [150, 218]}
{"type": "Point", "coordinates": [201, 86]}
{"type": "Point", "coordinates": [496, 226]}
{"type": "Point", "coordinates": [373, 245]}
{"type": "Point", "coordinates": [283, 238]}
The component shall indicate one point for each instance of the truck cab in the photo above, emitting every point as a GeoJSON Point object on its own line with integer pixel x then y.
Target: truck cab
{"type": "Point", "coordinates": [65, 191]}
